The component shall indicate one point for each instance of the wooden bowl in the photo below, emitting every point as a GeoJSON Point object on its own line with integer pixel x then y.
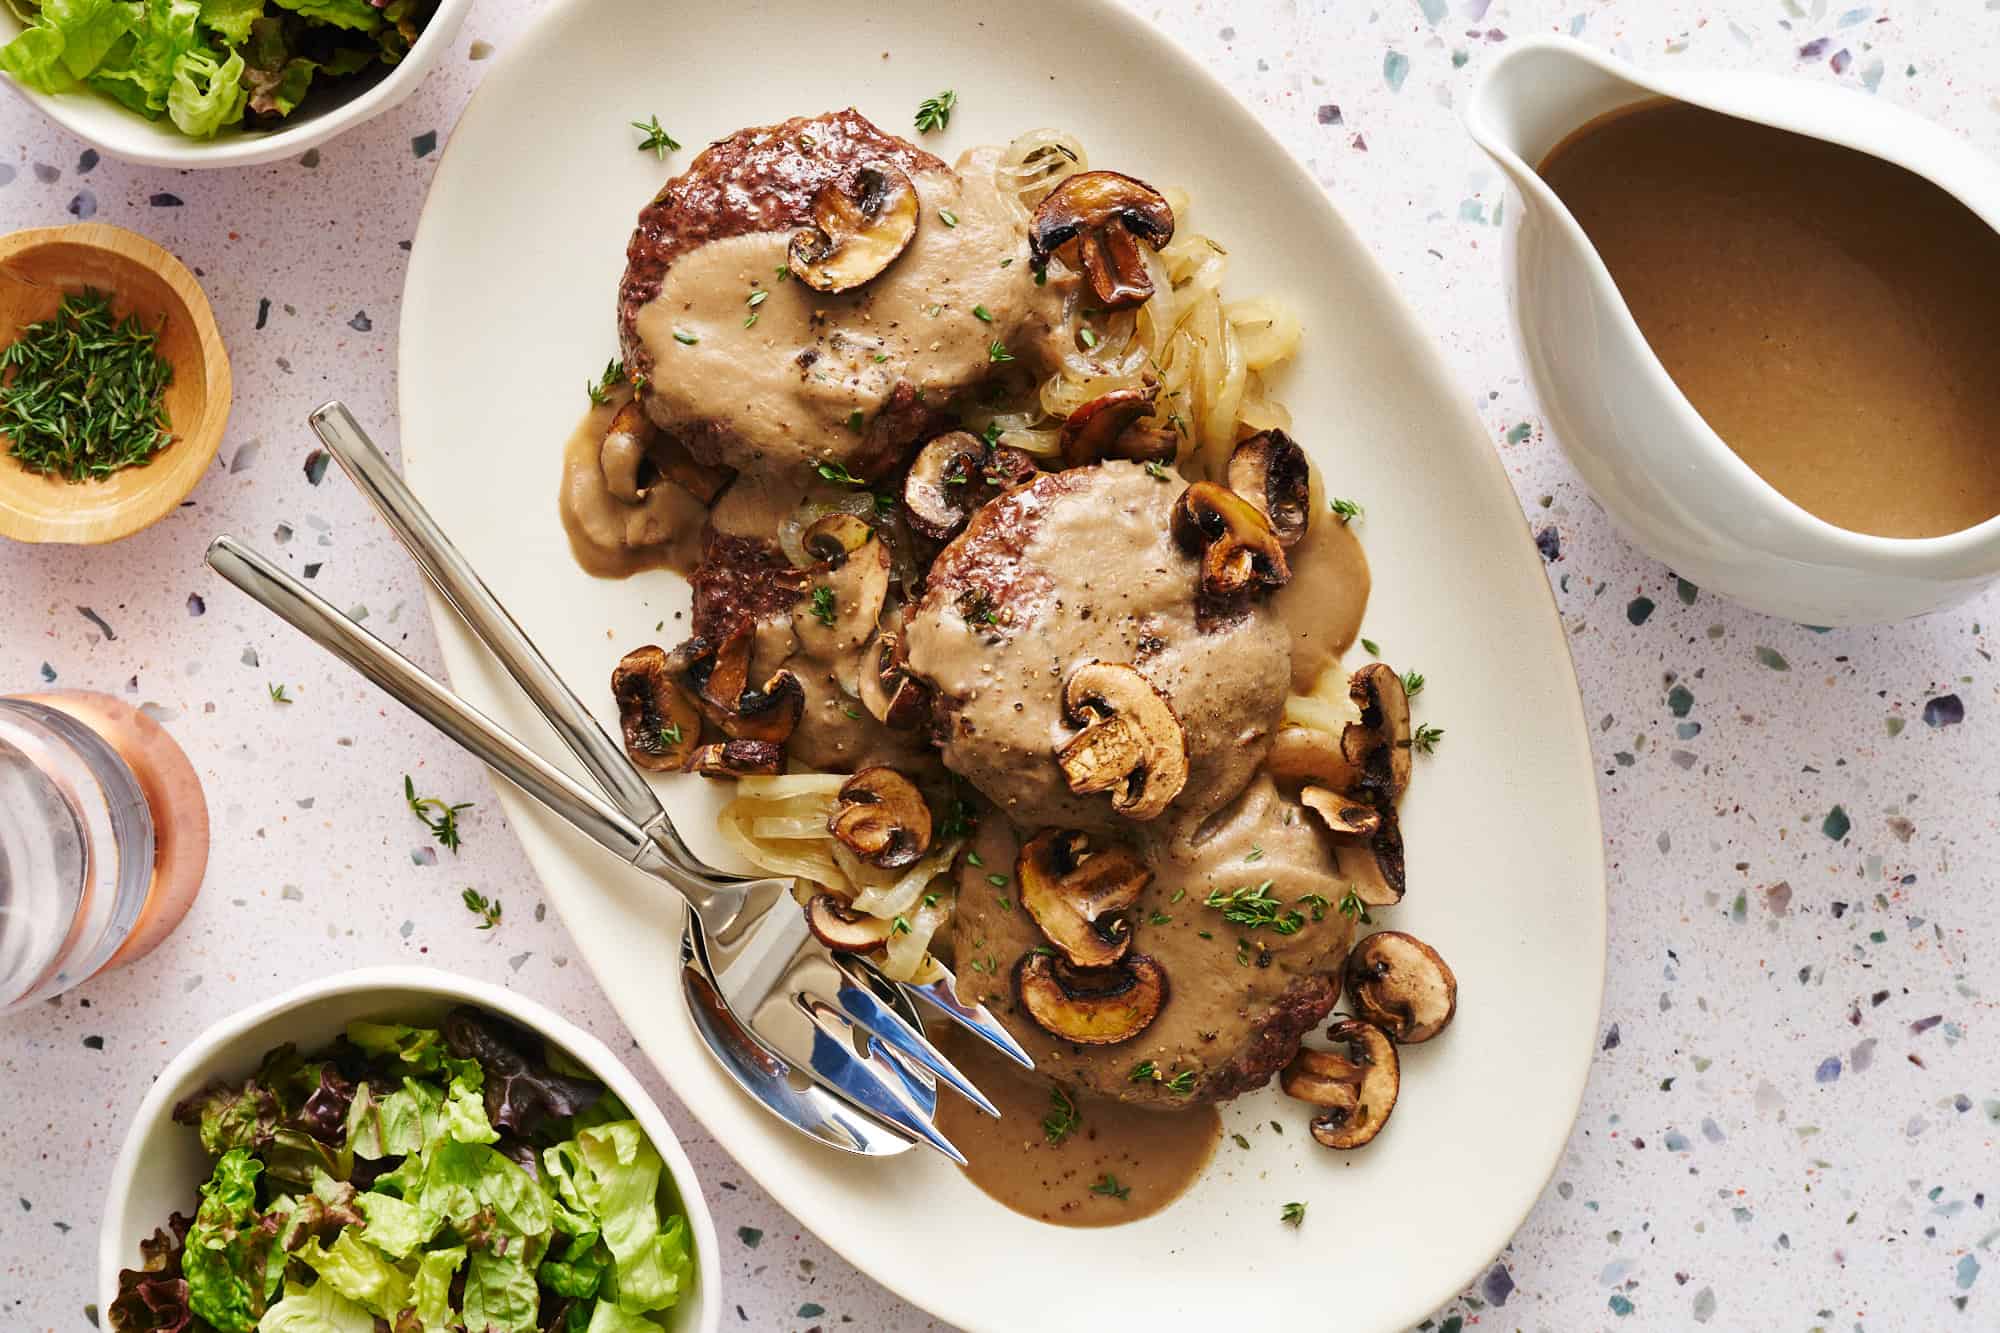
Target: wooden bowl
{"type": "Point", "coordinates": [37, 269]}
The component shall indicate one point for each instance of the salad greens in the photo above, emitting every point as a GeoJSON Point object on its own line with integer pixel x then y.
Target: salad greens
{"type": "Point", "coordinates": [463, 1177]}
{"type": "Point", "coordinates": [207, 64]}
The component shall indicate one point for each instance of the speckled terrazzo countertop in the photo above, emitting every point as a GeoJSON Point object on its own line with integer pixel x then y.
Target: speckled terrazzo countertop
{"type": "Point", "coordinates": [1793, 1116]}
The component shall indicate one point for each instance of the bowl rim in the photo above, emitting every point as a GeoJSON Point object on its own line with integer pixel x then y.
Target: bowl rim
{"type": "Point", "coordinates": [129, 144]}
{"type": "Point", "coordinates": [202, 439]}
{"type": "Point", "coordinates": [112, 1254]}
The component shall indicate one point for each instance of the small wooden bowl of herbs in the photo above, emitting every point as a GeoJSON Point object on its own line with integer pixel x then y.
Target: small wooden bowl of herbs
{"type": "Point", "coordinates": [114, 386]}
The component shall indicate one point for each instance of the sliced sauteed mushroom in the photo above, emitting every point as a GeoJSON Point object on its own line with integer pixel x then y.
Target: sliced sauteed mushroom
{"type": "Point", "coordinates": [661, 724]}
{"type": "Point", "coordinates": [738, 759]}
{"type": "Point", "coordinates": [1094, 221]}
{"type": "Point", "coordinates": [704, 481]}
{"type": "Point", "coordinates": [1131, 744]}
{"type": "Point", "coordinates": [1355, 1092]}
{"type": "Point", "coordinates": [1239, 551]}
{"type": "Point", "coordinates": [1351, 816]}
{"type": "Point", "coordinates": [894, 697]}
{"type": "Point", "coordinates": [1077, 893]}
{"type": "Point", "coordinates": [1307, 754]}
{"type": "Point", "coordinates": [1107, 427]}
{"type": "Point", "coordinates": [1380, 742]}
{"type": "Point", "coordinates": [717, 676]}
{"type": "Point", "coordinates": [955, 474]}
{"type": "Point", "coordinates": [882, 818]}
{"type": "Point", "coordinates": [1398, 983]}
{"type": "Point", "coordinates": [838, 926]}
{"type": "Point", "coordinates": [861, 222]}
{"type": "Point", "coordinates": [1270, 471]}
{"type": "Point", "coordinates": [846, 590]}
{"type": "Point", "coordinates": [622, 456]}
{"type": "Point", "coordinates": [1374, 864]}
{"type": "Point", "coordinates": [1099, 1007]}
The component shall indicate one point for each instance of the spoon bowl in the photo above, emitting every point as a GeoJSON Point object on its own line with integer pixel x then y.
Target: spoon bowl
{"type": "Point", "coordinates": [38, 269]}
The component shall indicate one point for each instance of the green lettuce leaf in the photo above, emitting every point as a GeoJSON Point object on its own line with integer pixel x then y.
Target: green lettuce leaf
{"type": "Point", "coordinates": [359, 1272]}
{"type": "Point", "coordinates": [606, 1317]}
{"type": "Point", "coordinates": [395, 1227]}
{"type": "Point", "coordinates": [356, 15]}
{"type": "Point", "coordinates": [207, 94]}
{"type": "Point", "coordinates": [90, 28]}
{"type": "Point", "coordinates": [420, 1048]}
{"type": "Point", "coordinates": [613, 1173]}
{"type": "Point", "coordinates": [315, 1309]}
{"type": "Point", "coordinates": [230, 19]}
{"type": "Point", "coordinates": [231, 1117]}
{"type": "Point", "coordinates": [463, 1180]}
{"type": "Point", "coordinates": [35, 58]}
{"type": "Point", "coordinates": [141, 76]}
{"type": "Point", "coordinates": [500, 1294]}
{"type": "Point", "coordinates": [578, 1269]}
{"type": "Point", "coordinates": [430, 1292]}
{"type": "Point", "coordinates": [277, 80]}
{"type": "Point", "coordinates": [232, 1261]}
{"type": "Point", "coordinates": [392, 1125]}
{"type": "Point", "coordinates": [465, 1104]}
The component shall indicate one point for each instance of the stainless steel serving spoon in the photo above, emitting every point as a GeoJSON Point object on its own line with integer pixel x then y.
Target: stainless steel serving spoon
{"type": "Point", "coordinates": [822, 1039]}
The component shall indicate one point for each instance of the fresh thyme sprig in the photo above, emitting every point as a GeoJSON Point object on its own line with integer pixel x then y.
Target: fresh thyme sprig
{"type": "Point", "coordinates": [934, 113]}
{"type": "Point", "coordinates": [613, 376]}
{"type": "Point", "coordinates": [823, 606]}
{"type": "Point", "coordinates": [82, 393]}
{"type": "Point", "coordinates": [1347, 510]}
{"type": "Point", "coordinates": [1063, 1117]}
{"type": "Point", "coordinates": [1424, 740]}
{"type": "Point", "coordinates": [657, 140]}
{"type": "Point", "coordinates": [441, 819]}
{"type": "Point", "coordinates": [486, 909]}
{"type": "Point", "coordinates": [277, 693]}
{"type": "Point", "coordinates": [1253, 905]}
{"type": "Point", "coordinates": [1292, 1214]}
{"type": "Point", "coordinates": [1108, 1186]}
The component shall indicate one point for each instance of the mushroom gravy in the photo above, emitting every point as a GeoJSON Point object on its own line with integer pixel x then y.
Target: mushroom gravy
{"type": "Point", "coordinates": [1116, 1163]}
{"type": "Point", "coordinates": [769, 376]}
{"type": "Point", "coordinates": [613, 538]}
{"type": "Point", "coordinates": [1826, 312]}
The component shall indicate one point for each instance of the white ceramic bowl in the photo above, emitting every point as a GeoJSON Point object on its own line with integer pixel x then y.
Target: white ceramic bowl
{"type": "Point", "coordinates": [162, 1165]}
{"type": "Point", "coordinates": [125, 134]}
{"type": "Point", "coordinates": [1668, 480]}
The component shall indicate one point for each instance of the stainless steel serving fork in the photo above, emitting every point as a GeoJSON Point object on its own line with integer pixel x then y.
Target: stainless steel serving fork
{"type": "Point", "coordinates": [822, 1039]}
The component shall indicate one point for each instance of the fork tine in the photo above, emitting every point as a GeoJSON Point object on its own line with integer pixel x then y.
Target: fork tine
{"type": "Point", "coordinates": [942, 995]}
{"type": "Point", "coordinates": [852, 1076]}
{"type": "Point", "coordinates": [858, 1000]}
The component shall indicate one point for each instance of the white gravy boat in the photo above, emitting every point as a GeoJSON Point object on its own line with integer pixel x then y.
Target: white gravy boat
{"type": "Point", "coordinates": [1667, 479]}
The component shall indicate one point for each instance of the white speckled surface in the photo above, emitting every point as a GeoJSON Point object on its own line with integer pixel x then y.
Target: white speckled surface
{"type": "Point", "coordinates": [1792, 1123]}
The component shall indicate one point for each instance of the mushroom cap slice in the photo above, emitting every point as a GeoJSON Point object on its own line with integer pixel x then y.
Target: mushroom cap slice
{"type": "Point", "coordinates": [1102, 428]}
{"type": "Point", "coordinates": [1270, 471]}
{"type": "Point", "coordinates": [661, 724]}
{"type": "Point", "coordinates": [854, 569]}
{"type": "Point", "coordinates": [1350, 816]}
{"type": "Point", "coordinates": [1356, 1092]}
{"type": "Point", "coordinates": [1385, 713]}
{"type": "Point", "coordinates": [1307, 754]}
{"type": "Point", "coordinates": [841, 928]}
{"type": "Point", "coordinates": [1095, 220]}
{"type": "Point", "coordinates": [738, 759]}
{"type": "Point", "coordinates": [861, 222]}
{"type": "Point", "coordinates": [1131, 744]}
{"type": "Point", "coordinates": [1398, 983]}
{"type": "Point", "coordinates": [1239, 551]}
{"type": "Point", "coordinates": [892, 696]}
{"type": "Point", "coordinates": [1101, 1007]}
{"type": "Point", "coordinates": [938, 491]}
{"type": "Point", "coordinates": [622, 454]}
{"type": "Point", "coordinates": [717, 677]}
{"type": "Point", "coordinates": [1374, 865]}
{"type": "Point", "coordinates": [1075, 892]}
{"type": "Point", "coordinates": [882, 818]}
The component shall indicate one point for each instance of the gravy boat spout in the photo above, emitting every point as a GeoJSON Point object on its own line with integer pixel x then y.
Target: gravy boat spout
{"type": "Point", "coordinates": [1670, 482]}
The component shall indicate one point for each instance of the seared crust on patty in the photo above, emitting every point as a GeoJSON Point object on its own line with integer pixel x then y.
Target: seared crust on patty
{"type": "Point", "coordinates": [761, 179]}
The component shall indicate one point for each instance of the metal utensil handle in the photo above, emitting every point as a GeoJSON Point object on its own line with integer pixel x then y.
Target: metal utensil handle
{"type": "Point", "coordinates": [289, 600]}
{"type": "Point", "coordinates": [483, 613]}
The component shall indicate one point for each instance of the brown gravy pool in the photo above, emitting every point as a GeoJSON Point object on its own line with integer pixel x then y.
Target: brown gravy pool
{"type": "Point", "coordinates": [1827, 313]}
{"type": "Point", "coordinates": [1152, 1156]}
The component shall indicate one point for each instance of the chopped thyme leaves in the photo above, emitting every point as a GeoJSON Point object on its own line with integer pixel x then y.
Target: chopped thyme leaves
{"type": "Point", "coordinates": [277, 693]}
{"type": "Point", "coordinates": [1178, 895]}
{"type": "Point", "coordinates": [1108, 1186]}
{"type": "Point", "coordinates": [1143, 1072]}
{"type": "Point", "coordinates": [1354, 909]}
{"type": "Point", "coordinates": [900, 926]}
{"type": "Point", "coordinates": [1256, 853]}
{"type": "Point", "coordinates": [997, 881]}
{"type": "Point", "coordinates": [822, 605]}
{"type": "Point", "coordinates": [1254, 906]}
{"type": "Point", "coordinates": [1292, 1214]}
{"type": "Point", "coordinates": [487, 910]}
{"type": "Point", "coordinates": [1372, 648]}
{"type": "Point", "coordinates": [759, 295]}
{"type": "Point", "coordinates": [441, 819]}
{"type": "Point", "coordinates": [949, 218]}
{"type": "Point", "coordinates": [600, 392]}
{"type": "Point", "coordinates": [1413, 683]}
{"type": "Point", "coordinates": [934, 113]}
{"type": "Point", "coordinates": [684, 338]}
{"type": "Point", "coordinates": [1158, 471]}
{"type": "Point", "coordinates": [784, 272]}
{"type": "Point", "coordinates": [982, 314]}
{"type": "Point", "coordinates": [996, 352]}
{"type": "Point", "coordinates": [1346, 510]}
{"type": "Point", "coordinates": [854, 421]}
{"type": "Point", "coordinates": [1063, 1117]}
{"type": "Point", "coordinates": [657, 140]}
{"type": "Point", "coordinates": [1158, 919]}
{"type": "Point", "coordinates": [1316, 904]}
{"type": "Point", "coordinates": [1424, 740]}
{"type": "Point", "coordinates": [837, 474]}
{"type": "Point", "coordinates": [1088, 335]}
{"type": "Point", "coordinates": [851, 711]}
{"type": "Point", "coordinates": [974, 859]}
{"type": "Point", "coordinates": [1181, 1084]}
